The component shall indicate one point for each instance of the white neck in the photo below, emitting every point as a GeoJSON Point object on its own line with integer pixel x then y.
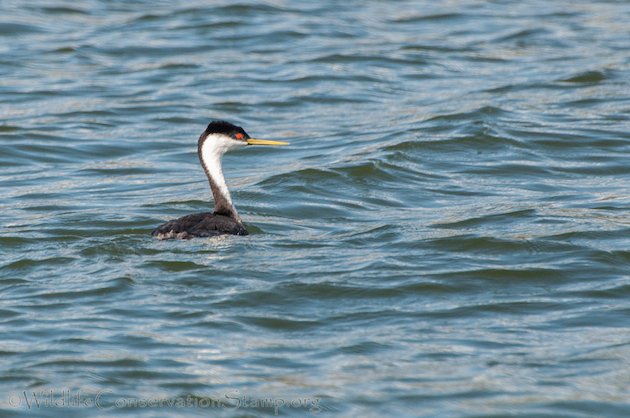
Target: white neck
{"type": "Point", "coordinates": [210, 153]}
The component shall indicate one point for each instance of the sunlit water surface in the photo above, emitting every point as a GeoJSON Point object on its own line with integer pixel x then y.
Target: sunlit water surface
{"type": "Point", "coordinates": [447, 234]}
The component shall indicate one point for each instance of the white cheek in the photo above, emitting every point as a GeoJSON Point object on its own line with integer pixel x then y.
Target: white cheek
{"type": "Point", "coordinates": [217, 145]}
{"type": "Point", "coordinates": [233, 144]}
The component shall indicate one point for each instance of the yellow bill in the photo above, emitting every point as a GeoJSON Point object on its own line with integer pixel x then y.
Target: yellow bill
{"type": "Point", "coordinates": [252, 141]}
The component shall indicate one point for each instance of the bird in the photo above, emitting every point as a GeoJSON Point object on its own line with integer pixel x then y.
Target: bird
{"type": "Point", "coordinates": [218, 138]}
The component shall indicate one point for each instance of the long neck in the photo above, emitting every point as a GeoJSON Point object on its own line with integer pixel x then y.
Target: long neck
{"type": "Point", "coordinates": [211, 162]}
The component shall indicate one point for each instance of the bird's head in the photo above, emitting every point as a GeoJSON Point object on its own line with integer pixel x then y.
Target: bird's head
{"type": "Point", "coordinates": [221, 136]}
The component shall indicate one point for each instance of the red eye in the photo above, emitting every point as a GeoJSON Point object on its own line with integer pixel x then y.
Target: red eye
{"type": "Point", "coordinates": [239, 136]}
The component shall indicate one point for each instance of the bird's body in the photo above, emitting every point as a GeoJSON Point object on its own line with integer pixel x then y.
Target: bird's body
{"type": "Point", "coordinates": [218, 138]}
{"type": "Point", "coordinates": [205, 224]}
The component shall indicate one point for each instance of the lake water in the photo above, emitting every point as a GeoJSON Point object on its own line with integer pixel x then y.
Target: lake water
{"type": "Point", "coordinates": [448, 233]}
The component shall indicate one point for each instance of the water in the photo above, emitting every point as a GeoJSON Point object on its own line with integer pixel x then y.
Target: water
{"type": "Point", "coordinates": [447, 234]}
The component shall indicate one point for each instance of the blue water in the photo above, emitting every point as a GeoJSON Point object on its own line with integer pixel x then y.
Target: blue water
{"type": "Point", "coordinates": [446, 235]}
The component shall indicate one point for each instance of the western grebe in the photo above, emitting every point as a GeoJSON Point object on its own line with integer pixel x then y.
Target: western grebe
{"type": "Point", "coordinates": [218, 138]}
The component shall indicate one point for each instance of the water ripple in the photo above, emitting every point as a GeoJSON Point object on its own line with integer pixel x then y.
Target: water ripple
{"type": "Point", "coordinates": [446, 234]}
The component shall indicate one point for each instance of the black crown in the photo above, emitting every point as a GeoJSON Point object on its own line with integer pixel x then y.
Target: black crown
{"type": "Point", "coordinates": [225, 128]}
